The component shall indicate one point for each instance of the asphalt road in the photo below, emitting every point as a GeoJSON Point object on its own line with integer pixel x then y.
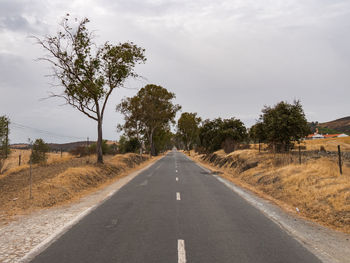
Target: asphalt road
{"type": "Point", "coordinates": [175, 212]}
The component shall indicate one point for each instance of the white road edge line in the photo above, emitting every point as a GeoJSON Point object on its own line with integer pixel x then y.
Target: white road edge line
{"type": "Point", "coordinates": [181, 252]}
{"type": "Point", "coordinates": [178, 196]}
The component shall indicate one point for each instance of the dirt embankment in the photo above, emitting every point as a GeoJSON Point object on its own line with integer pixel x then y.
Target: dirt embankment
{"type": "Point", "coordinates": [314, 190]}
{"type": "Point", "coordinates": [61, 182]}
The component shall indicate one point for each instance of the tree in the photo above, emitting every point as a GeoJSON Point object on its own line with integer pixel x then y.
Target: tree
{"type": "Point", "coordinates": [257, 133]}
{"type": "Point", "coordinates": [188, 128]}
{"type": "Point", "coordinates": [4, 141]}
{"type": "Point", "coordinates": [4, 133]}
{"type": "Point", "coordinates": [39, 151]}
{"type": "Point", "coordinates": [132, 110]}
{"type": "Point", "coordinates": [162, 139]}
{"type": "Point", "coordinates": [149, 110]}
{"type": "Point", "coordinates": [88, 73]}
{"type": "Point", "coordinates": [216, 134]}
{"type": "Point", "coordinates": [283, 124]}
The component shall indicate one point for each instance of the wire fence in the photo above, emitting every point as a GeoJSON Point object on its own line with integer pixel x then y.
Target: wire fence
{"type": "Point", "coordinates": [300, 155]}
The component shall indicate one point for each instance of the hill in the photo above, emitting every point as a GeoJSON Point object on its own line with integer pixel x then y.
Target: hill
{"type": "Point", "coordinates": [66, 147]}
{"type": "Point", "coordinates": [341, 125]}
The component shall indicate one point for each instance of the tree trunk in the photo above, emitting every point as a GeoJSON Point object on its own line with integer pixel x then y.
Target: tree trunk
{"type": "Point", "coordinates": [99, 142]}
{"type": "Point", "coordinates": [152, 150]}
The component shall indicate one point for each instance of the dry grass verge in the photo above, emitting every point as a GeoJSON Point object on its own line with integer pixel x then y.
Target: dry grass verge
{"type": "Point", "coordinates": [11, 164]}
{"type": "Point", "coordinates": [330, 144]}
{"type": "Point", "coordinates": [315, 187]}
{"type": "Point", "coordinates": [61, 182]}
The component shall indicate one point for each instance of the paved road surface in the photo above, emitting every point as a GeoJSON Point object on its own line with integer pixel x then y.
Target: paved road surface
{"type": "Point", "coordinates": [175, 212]}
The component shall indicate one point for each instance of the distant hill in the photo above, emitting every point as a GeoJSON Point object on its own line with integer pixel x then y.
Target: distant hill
{"type": "Point", "coordinates": [341, 125]}
{"type": "Point", "coordinates": [66, 147]}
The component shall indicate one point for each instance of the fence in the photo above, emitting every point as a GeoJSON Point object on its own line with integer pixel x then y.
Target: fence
{"type": "Point", "coordinates": [300, 155]}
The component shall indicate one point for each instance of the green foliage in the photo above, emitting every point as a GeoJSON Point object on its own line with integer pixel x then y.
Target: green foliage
{"type": "Point", "coordinates": [257, 133]}
{"type": "Point", "coordinates": [325, 130]}
{"type": "Point", "coordinates": [106, 148]}
{"type": "Point", "coordinates": [39, 151]}
{"type": "Point", "coordinates": [163, 140]}
{"type": "Point", "coordinates": [283, 124]}
{"type": "Point", "coordinates": [128, 145]}
{"type": "Point", "coordinates": [313, 126]}
{"type": "Point", "coordinates": [188, 128]}
{"type": "Point", "coordinates": [149, 110]}
{"type": "Point", "coordinates": [4, 132]}
{"type": "Point", "coordinates": [214, 134]}
{"type": "Point", "coordinates": [87, 72]}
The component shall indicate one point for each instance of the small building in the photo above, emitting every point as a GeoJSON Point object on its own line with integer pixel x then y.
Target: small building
{"type": "Point", "coordinates": [314, 136]}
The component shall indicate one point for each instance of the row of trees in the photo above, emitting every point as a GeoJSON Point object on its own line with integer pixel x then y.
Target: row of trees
{"type": "Point", "coordinates": [89, 74]}
{"type": "Point", "coordinates": [278, 126]}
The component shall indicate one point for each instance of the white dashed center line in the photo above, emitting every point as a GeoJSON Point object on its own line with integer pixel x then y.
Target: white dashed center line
{"type": "Point", "coordinates": [181, 252]}
{"type": "Point", "coordinates": [178, 196]}
{"type": "Point", "coordinates": [176, 171]}
{"type": "Point", "coordinates": [177, 179]}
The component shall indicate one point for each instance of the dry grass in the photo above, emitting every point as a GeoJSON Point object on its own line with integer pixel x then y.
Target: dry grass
{"type": "Point", "coordinates": [11, 164]}
{"type": "Point", "coordinates": [315, 187]}
{"type": "Point", "coordinates": [61, 182]}
{"type": "Point", "coordinates": [330, 144]}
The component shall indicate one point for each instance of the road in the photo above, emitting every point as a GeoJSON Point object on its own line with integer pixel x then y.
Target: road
{"type": "Point", "coordinates": [175, 212]}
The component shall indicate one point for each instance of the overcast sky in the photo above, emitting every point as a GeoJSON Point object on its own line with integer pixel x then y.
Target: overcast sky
{"type": "Point", "coordinates": [221, 58]}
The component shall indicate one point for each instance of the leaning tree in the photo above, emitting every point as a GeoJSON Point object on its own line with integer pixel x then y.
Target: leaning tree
{"type": "Point", "coordinates": [89, 73]}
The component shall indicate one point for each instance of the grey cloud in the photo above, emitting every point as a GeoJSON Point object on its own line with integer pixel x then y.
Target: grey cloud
{"type": "Point", "coordinates": [221, 58]}
{"type": "Point", "coordinates": [14, 23]}
{"type": "Point", "coordinates": [14, 15]}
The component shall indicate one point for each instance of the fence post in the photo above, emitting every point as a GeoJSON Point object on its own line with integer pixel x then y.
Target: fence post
{"type": "Point", "coordinates": [259, 146]}
{"type": "Point", "coordinates": [19, 159]}
{"type": "Point", "coordinates": [299, 154]}
{"type": "Point", "coordinates": [30, 175]}
{"type": "Point", "coordinates": [340, 164]}
{"type": "Point", "coordinates": [61, 152]}
{"type": "Point", "coordinates": [7, 140]}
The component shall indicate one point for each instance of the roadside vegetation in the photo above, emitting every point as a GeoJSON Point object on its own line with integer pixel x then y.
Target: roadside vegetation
{"type": "Point", "coordinates": [273, 160]}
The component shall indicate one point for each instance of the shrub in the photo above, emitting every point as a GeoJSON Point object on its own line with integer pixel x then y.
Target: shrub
{"type": "Point", "coordinates": [39, 151]}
